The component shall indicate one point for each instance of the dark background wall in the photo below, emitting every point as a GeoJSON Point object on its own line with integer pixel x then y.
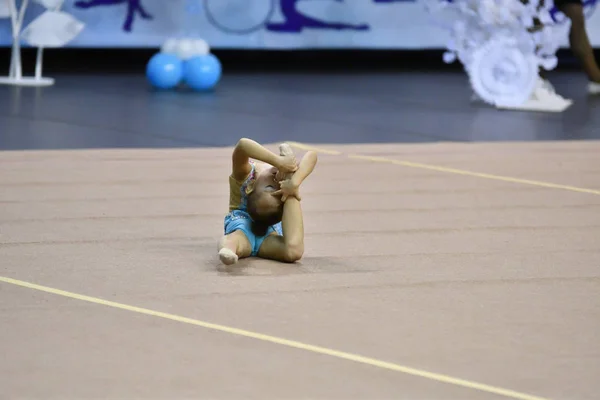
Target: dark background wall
{"type": "Point", "coordinates": [102, 61]}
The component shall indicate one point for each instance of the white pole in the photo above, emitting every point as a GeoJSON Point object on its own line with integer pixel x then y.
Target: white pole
{"type": "Point", "coordinates": [13, 21]}
{"type": "Point", "coordinates": [11, 73]}
{"type": "Point", "coordinates": [39, 61]}
{"type": "Point", "coordinates": [17, 22]}
{"type": "Point", "coordinates": [24, 5]}
{"type": "Point", "coordinates": [18, 73]}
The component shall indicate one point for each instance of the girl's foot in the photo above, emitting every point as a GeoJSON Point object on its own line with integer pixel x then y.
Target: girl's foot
{"type": "Point", "coordinates": [594, 88]}
{"type": "Point", "coordinates": [227, 256]}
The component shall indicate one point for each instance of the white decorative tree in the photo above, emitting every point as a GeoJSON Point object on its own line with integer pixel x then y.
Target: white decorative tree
{"type": "Point", "coordinates": [502, 45]}
{"type": "Point", "coordinates": [53, 28]}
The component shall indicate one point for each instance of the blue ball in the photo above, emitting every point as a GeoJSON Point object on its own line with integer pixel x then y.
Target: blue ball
{"type": "Point", "coordinates": [202, 72]}
{"type": "Point", "coordinates": [164, 71]}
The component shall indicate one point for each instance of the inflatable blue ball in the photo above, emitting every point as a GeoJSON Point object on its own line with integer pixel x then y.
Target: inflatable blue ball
{"type": "Point", "coordinates": [164, 71]}
{"type": "Point", "coordinates": [202, 72]}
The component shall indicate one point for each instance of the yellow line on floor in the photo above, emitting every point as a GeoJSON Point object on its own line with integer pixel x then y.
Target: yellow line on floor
{"type": "Point", "coordinates": [307, 147]}
{"type": "Point", "coordinates": [284, 342]}
{"type": "Point", "coordinates": [438, 168]}
{"type": "Point", "coordinates": [476, 174]}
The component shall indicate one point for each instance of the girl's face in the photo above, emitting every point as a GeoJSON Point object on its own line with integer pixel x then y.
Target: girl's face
{"type": "Point", "coordinates": [262, 202]}
{"type": "Point", "coordinates": [266, 181]}
{"type": "Point", "coordinates": [266, 184]}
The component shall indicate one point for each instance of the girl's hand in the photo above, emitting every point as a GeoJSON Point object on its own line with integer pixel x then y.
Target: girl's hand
{"type": "Point", "coordinates": [288, 188]}
{"type": "Point", "coordinates": [287, 164]}
{"type": "Point", "coordinates": [287, 156]}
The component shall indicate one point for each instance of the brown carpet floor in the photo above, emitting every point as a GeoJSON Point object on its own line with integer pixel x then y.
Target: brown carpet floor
{"type": "Point", "coordinates": [475, 275]}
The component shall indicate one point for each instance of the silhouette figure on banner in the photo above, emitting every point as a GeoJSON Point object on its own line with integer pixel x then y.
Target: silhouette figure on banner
{"type": "Point", "coordinates": [133, 7]}
{"type": "Point", "coordinates": [295, 21]}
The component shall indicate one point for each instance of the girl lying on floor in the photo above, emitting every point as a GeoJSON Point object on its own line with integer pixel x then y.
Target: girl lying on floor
{"type": "Point", "coordinates": [265, 217]}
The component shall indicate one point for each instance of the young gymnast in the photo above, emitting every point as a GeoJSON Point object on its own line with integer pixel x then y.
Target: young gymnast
{"type": "Point", "coordinates": [265, 217]}
{"type": "Point", "coordinates": [580, 42]}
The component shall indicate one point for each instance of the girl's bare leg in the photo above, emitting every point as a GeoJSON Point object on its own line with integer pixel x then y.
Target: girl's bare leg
{"type": "Point", "coordinates": [289, 247]}
{"type": "Point", "coordinates": [579, 41]}
{"type": "Point", "coordinates": [233, 247]}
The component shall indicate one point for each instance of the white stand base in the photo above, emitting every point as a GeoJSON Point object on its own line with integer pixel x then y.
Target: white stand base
{"type": "Point", "coordinates": [26, 81]}
{"type": "Point", "coordinates": [555, 105]}
{"type": "Point", "coordinates": [543, 99]}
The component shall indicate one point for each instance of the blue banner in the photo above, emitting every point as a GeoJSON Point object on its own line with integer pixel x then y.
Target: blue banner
{"type": "Point", "coordinates": [258, 24]}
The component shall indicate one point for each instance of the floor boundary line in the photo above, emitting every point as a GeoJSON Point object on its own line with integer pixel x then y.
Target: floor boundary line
{"type": "Point", "coordinates": [449, 170]}
{"type": "Point", "coordinates": [281, 341]}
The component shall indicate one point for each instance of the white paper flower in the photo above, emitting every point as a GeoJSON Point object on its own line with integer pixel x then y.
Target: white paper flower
{"type": "Point", "coordinates": [494, 39]}
{"type": "Point", "coordinates": [503, 75]}
{"type": "Point", "coordinates": [52, 29]}
{"type": "Point", "coordinates": [449, 57]}
{"type": "Point", "coordinates": [549, 63]}
{"type": "Point", "coordinates": [4, 9]}
{"type": "Point", "coordinates": [50, 4]}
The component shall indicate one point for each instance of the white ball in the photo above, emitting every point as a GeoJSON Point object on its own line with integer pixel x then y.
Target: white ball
{"type": "Point", "coordinates": [185, 49]}
{"type": "Point", "coordinates": [169, 47]}
{"type": "Point", "coordinates": [201, 48]}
